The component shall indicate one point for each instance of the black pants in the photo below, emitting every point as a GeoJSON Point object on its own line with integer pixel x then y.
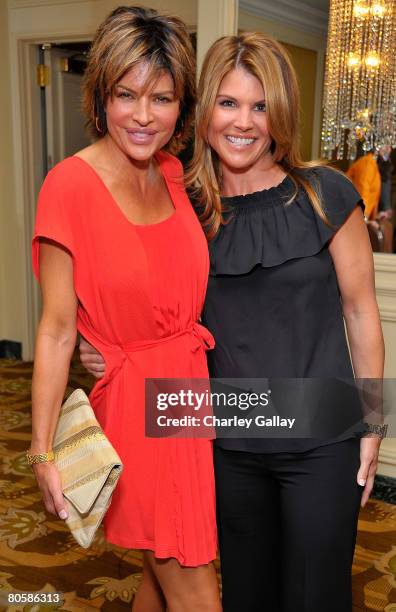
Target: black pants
{"type": "Point", "coordinates": [287, 528]}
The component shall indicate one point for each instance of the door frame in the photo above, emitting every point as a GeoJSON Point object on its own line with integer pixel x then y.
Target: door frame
{"type": "Point", "coordinates": [28, 160]}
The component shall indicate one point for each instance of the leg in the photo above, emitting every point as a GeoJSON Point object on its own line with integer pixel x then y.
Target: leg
{"type": "Point", "coordinates": [248, 524]}
{"type": "Point", "coordinates": [320, 504]}
{"type": "Point", "coordinates": [186, 588]}
{"type": "Point", "coordinates": [149, 596]}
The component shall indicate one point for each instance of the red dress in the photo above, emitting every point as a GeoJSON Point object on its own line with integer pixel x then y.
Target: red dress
{"type": "Point", "coordinates": [140, 290]}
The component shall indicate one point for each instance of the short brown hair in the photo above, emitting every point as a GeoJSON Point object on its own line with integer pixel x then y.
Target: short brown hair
{"type": "Point", "coordinates": [128, 36]}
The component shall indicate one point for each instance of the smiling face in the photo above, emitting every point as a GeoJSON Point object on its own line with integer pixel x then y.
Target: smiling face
{"type": "Point", "coordinates": [238, 130]}
{"type": "Point", "coordinates": [141, 119]}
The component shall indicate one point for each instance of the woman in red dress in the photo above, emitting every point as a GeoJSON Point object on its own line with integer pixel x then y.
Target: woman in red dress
{"type": "Point", "coordinates": [121, 258]}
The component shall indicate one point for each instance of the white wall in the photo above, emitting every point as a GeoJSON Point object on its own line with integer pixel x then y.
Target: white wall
{"type": "Point", "coordinates": [11, 217]}
{"type": "Point", "coordinates": [385, 282]}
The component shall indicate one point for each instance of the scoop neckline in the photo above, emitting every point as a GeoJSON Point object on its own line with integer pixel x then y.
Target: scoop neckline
{"type": "Point", "coordinates": [271, 196]}
{"type": "Point", "coordinates": [117, 206]}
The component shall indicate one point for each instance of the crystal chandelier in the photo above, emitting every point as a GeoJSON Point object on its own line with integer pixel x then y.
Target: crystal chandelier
{"type": "Point", "coordinates": [360, 77]}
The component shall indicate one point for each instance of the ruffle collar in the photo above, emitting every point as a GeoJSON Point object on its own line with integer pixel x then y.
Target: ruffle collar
{"type": "Point", "coordinates": [262, 228]}
{"type": "Point", "coordinates": [274, 196]}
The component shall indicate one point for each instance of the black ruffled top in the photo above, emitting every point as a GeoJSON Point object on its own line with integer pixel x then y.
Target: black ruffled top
{"type": "Point", "coordinates": [265, 230]}
{"type": "Point", "coordinates": [273, 303]}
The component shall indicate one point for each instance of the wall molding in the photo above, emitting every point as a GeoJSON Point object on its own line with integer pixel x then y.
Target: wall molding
{"type": "Point", "coordinates": [19, 4]}
{"type": "Point", "coordinates": [388, 315]}
{"type": "Point", "coordinates": [387, 456]}
{"type": "Point", "coordinates": [385, 285]}
{"type": "Point", "coordinates": [294, 13]}
{"type": "Point", "coordinates": [385, 262]}
{"type": "Point", "coordinates": [386, 289]}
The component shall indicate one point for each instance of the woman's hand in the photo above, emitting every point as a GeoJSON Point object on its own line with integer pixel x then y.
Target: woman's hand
{"type": "Point", "coordinates": [91, 359]}
{"type": "Point", "coordinates": [369, 449]}
{"type": "Point", "coordinates": [49, 482]}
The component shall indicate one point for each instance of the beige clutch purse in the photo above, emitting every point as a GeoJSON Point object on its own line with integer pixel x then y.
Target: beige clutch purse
{"type": "Point", "coordinates": [88, 464]}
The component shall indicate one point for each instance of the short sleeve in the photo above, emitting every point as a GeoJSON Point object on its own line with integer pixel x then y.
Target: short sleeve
{"type": "Point", "coordinates": [53, 216]}
{"type": "Point", "coordinates": [339, 195]}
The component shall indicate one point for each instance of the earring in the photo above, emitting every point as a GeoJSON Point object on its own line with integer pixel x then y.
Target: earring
{"type": "Point", "coordinates": [179, 128]}
{"type": "Point", "coordinates": [97, 125]}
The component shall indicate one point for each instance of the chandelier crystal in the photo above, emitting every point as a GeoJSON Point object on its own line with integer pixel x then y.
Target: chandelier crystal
{"type": "Point", "coordinates": [360, 77]}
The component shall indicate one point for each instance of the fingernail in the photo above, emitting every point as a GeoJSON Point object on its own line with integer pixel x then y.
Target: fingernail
{"type": "Point", "coordinates": [63, 514]}
{"type": "Point", "coordinates": [362, 482]}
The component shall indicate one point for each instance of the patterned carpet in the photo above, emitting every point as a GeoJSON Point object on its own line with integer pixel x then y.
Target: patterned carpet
{"type": "Point", "coordinates": [38, 554]}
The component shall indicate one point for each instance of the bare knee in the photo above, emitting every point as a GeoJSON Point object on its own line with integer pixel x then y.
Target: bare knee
{"type": "Point", "coordinates": [202, 601]}
{"type": "Point", "coordinates": [202, 597]}
{"type": "Point", "coordinates": [186, 588]}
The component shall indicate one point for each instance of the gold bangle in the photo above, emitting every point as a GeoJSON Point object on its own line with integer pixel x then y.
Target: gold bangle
{"type": "Point", "coordinates": [40, 458]}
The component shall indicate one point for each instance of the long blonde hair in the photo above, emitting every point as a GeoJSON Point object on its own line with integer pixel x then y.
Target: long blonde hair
{"type": "Point", "coordinates": [267, 60]}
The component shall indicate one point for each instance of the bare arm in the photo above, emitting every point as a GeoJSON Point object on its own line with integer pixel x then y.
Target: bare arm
{"type": "Point", "coordinates": [353, 260]}
{"type": "Point", "coordinates": [55, 342]}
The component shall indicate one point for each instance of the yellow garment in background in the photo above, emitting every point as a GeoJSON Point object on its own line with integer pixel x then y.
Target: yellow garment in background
{"type": "Point", "coordinates": [366, 177]}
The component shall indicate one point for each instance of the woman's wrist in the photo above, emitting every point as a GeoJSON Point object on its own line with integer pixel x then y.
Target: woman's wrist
{"type": "Point", "coordinates": [36, 449]}
{"type": "Point", "coordinates": [34, 457]}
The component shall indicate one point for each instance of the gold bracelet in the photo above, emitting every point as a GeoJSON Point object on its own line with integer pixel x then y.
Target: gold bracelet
{"type": "Point", "coordinates": [40, 458]}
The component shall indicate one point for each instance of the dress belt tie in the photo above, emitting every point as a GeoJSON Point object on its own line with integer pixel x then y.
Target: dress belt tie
{"type": "Point", "coordinates": [117, 354]}
{"type": "Point", "coordinates": [202, 336]}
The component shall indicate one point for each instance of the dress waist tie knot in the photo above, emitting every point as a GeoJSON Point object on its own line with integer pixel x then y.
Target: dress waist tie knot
{"type": "Point", "coordinates": [115, 355]}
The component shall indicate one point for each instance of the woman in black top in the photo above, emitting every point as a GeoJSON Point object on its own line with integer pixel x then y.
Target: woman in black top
{"type": "Point", "coordinates": [287, 239]}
